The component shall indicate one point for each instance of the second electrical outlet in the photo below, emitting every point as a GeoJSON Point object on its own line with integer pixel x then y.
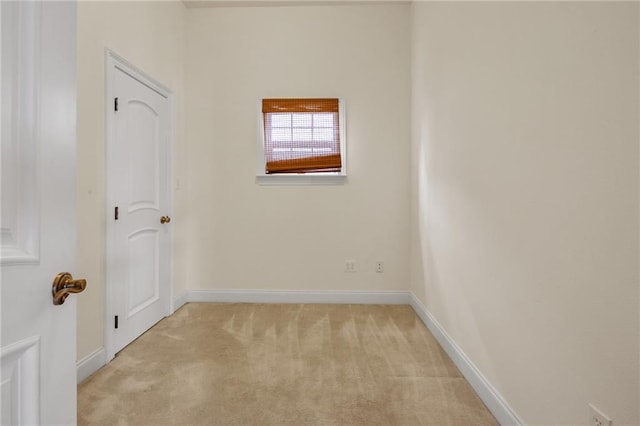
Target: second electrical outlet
{"type": "Point", "coordinates": [349, 265]}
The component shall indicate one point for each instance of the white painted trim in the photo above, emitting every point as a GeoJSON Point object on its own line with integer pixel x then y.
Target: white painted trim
{"type": "Point", "coordinates": [21, 362]}
{"type": "Point", "coordinates": [302, 179]}
{"type": "Point", "coordinates": [90, 364]}
{"type": "Point", "coordinates": [171, 171]}
{"type": "Point", "coordinates": [191, 4]}
{"type": "Point", "coordinates": [180, 300]}
{"type": "Point", "coordinates": [300, 296]}
{"type": "Point", "coordinates": [114, 61]}
{"type": "Point", "coordinates": [485, 390]}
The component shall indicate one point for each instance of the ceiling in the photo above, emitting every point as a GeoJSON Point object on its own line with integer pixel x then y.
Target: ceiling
{"type": "Point", "coordinates": [247, 3]}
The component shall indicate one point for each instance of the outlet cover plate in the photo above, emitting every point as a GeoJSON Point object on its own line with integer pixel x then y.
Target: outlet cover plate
{"type": "Point", "coordinates": [349, 265]}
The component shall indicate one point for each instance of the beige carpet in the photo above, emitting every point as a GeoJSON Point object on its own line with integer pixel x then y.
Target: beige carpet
{"type": "Point", "coordinates": [259, 364]}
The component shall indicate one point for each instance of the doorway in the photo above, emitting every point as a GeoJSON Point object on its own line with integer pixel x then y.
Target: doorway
{"type": "Point", "coordinates": [139, 263]}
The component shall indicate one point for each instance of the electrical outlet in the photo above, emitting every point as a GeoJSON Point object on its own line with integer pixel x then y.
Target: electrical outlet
{"type": "Point", "coordinates": [379, 266]}
{"type": "Point", "coordinates": [598, 418]}
{"type": "Point", "coordinates": [349, 265]}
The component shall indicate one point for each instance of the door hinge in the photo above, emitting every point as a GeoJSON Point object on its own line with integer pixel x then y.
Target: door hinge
{"type": "Point", "coordinates": [115, 104]}
{"type": "Point", "coordinates": [115, 213]}
{"type": "Point", "coordinates": [116, 321]}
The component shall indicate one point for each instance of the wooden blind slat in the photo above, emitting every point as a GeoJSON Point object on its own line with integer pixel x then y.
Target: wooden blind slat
{"type": "Point", "coordinates": [299, 165]}
{"type": "Point", "coordinates": [299, 105]}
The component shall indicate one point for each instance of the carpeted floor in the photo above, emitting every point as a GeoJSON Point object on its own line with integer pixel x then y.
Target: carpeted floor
{"type": "Point", "coordinates": [263, 364]}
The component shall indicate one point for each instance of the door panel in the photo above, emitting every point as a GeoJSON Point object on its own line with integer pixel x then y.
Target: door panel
{"type": "Point", "coordinates": [20, 51]}
{"type": "Point", "coordinates": [139, 251]}
{"type": "Point", "coordinates": [143, 283]}
{"type": "Point", "coordinates": [20, 375]}
{"type": "Point", "coordinates": [38, 92]}
{"type": "Point", "coordinates": [144, 155]}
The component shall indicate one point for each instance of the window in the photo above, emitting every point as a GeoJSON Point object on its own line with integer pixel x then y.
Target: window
{"type": "Point", "coordinates": [302, 136]}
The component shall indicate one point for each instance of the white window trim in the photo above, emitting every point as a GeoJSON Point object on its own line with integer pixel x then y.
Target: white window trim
{"type": "Point", "coordinates": [338, 178]}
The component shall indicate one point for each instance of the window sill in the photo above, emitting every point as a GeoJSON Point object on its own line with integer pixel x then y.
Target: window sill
{"type": "Point", "coordinates": [302, 179]}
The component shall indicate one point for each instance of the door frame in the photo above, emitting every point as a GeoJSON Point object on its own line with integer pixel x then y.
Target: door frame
{"type": "Point", "coordinates": [114, 62]}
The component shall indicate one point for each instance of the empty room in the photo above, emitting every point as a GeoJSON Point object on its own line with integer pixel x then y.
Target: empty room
{"type": "Point", "coordinates": [233, 212]}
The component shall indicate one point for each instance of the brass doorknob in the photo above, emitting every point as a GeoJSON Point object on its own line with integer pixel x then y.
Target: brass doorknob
{"type": "Point", "coordinates": [63, 285]}
{"type": "Point", "coordinates": [165, 219]}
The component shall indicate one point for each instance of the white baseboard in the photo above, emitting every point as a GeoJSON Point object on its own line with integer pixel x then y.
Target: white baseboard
{"type": "Point", "coordinates": [487, 393]}
{"type": "Point", "coordinates": [179, 301]}
{"type": "Point", "coordinates": [90, 364]}
{"type": "Point", "coordinates": [300, 296]}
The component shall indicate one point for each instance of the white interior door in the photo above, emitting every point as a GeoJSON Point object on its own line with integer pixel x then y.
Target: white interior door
{"type": "Point", "coordinates": [139, 268]}
{"type": "Point", "coordinates": [38, 222]}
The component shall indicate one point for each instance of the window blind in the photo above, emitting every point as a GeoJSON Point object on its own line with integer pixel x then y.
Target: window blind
{"type": "Point", "coordinates": [301, 135]}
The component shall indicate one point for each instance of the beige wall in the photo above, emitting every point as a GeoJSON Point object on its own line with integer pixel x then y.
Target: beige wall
{"type": "Point", "coordinates": [151, 36]}
{"type": "Point", "coordinates": [231, 232]}
{"type": "Point", "coordinates": [525, 198]}
{"type": "Point", "coordinates": [242, 235]}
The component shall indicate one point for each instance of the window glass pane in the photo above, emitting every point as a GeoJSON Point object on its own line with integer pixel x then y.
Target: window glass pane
{"type": "Point", "coordinates": [280, 120]}
{"type": "Point", "coordinates": [323, 150]}
{"type": "Point", "coordinates": [323, 120]}
{"type": "Point", "coordinates": [322, 134]}
{"type": "Point", "coordinates": [302, 135]}
{"type": "Point", "coordinates": [280, 134]}
{"type": "Point", "coordinates": [302, 120]}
